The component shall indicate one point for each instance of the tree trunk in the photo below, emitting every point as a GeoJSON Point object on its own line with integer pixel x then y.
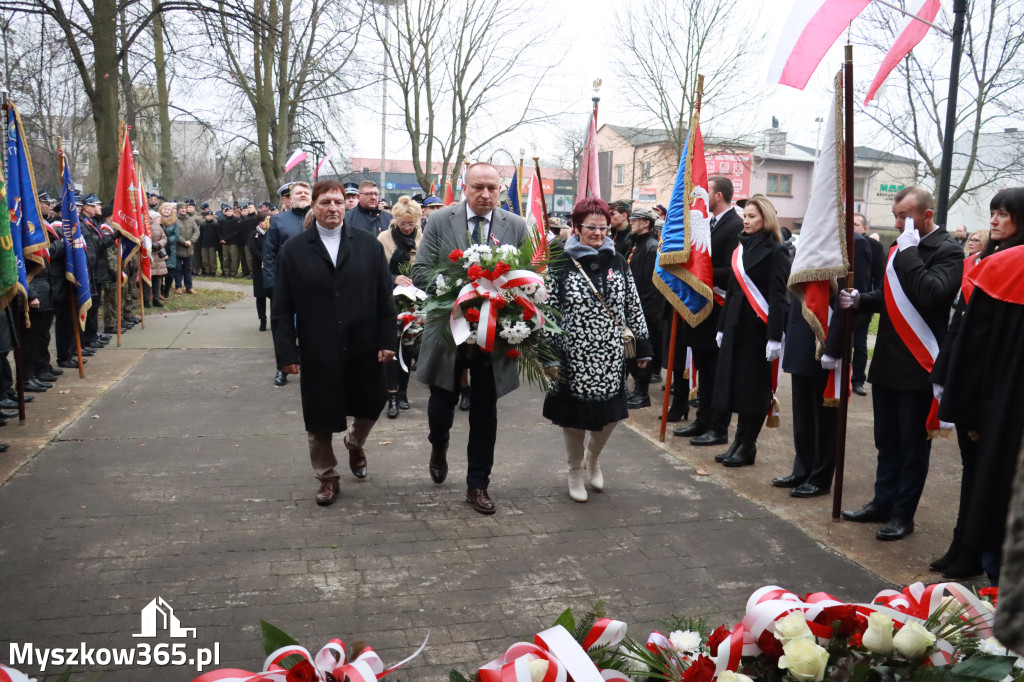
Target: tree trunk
{"type": "Point", "coordinates": [105, 105]}
{"type": "Point", "coordinates": [163, 106]}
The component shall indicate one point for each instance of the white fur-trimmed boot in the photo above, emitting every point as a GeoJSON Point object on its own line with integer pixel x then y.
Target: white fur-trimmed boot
{"type": "Point", "coordinates": [593, 468]}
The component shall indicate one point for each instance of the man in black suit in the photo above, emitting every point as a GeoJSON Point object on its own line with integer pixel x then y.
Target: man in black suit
{"type": "Point", "coordinates": [859, 359]}
{"type": "Point", "coordinates": [477, 220]}
{"type": "Point", "coordinates": [333, 280]}
{"type": "Point", "coordinates": [711, 427]}
{"type": "Point", "coordinates": [928, 267]}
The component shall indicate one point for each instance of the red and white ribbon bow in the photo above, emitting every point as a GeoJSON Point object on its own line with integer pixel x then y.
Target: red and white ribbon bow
{"type": "Point", "coordinates": [366, 667]}
{"type": "Point", "coordinates": [566, 658]}
{"type": "Point", "coordinates": [491, 287]}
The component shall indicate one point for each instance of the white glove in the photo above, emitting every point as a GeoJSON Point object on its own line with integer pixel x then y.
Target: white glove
{"type": "Point", "coordinates": [909, 237]}
{"type": "Point", "coordinates": [828, 362]}
{"type": "Point", "coordinates": [773, 351]}
{"type": "Point", "coordinates": [148, 243]}
{"type": "Point", "coordinates": [849, 299]}
{"type": "Point", "coordinates": [937, 392]}
{"type": "Point", "coordinates": [718, 339]}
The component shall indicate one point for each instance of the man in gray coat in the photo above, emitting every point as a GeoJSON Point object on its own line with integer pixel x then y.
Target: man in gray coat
{"type": "Point", "coordinates": [477, 220]}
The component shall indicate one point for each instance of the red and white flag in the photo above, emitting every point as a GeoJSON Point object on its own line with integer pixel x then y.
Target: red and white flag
{"type": "Point", "coordinates": [297, 157]}
{"type": "Point", "coordinates": [811, 29]}
{"type": "Point", "coordinates": [320, 166]}
{"type": "Point", "coordinates": [590, 180]}
{"type": "Point", "coordinates": [449, 199]}
{"type": "Point", "coordinates": [535, 219]}
{"type": "Point", "coordinates": [127, 202]}
{"type": "Point", "coordinates": [146, 234]}
{"type": "Point", "coordinates": [913, 32]}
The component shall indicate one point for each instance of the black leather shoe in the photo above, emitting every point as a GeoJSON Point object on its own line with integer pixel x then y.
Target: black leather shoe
{"type": "Point", "coordinates": [728, 453]}
{"type": "Point", "coordinates": [392, 406]}
{"type": "Point", "coordinates": [108, 332]}
{"type": "Point", "coordinates": [69, 364]}
{"type": "Point", "coordinates": [895, 529]}
{"type": "Point", "coordinates": [8, 414]}
{"type": "Point", "coordinates": [46, 377]}
{"type": "Point", "coordinates": [8, 404]}
{"type": "Point", "coordinates": [55, 371]}
{"type": "Point", "coordinates": [263, 325]}
{"type": "Point", "coordinates": [712, 437]}
{"type": "Point", "coordinates": [693, 430]}
{"type": "Point", "coordinates": [937, 566]}
{"type": "Point", "coordinates": [809, 490]}
{"type": "Point", "coordinates": [403, 401]}
{"type": "Point", "coordinates": [438, 465]}
{"type": "Point", "coordinates": [869, 513]}
{"type": "Point", "coordinates": [88, 352]}
{"type": "Point", "coordinates": [281, 378]}
{"type": "Point", "coordinates": [464, 400]}
{"type": "Point", "coordinates": [639, 400]}
{"type": "Point", "coordinates": [678, 413]}
{"type": "Point", "coordinates": [480, 500]}
{"type": "Point", "coordinates": [790, 481]}
{"type": "Point", "coordinates": [357, 462]}
{"type": "Point", "coordinates": [742, 456]}
{"type": "Point", "coordinates": [34, 386]}
{"type": "Point", "coordinates": [859, 389]}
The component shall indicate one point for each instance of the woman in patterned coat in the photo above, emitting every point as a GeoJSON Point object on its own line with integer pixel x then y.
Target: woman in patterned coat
{"type": "Point", "coordinates": [590, 391]}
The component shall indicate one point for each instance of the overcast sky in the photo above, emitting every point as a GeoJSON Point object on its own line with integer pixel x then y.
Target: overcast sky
{"type": "Point", "coordinates": [587, 26]}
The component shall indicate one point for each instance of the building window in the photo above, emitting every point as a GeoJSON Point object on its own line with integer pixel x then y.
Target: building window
{"type": "Point", "coordinates": [858, 188]}
{"type": "Point", "coordinates": [645, 171]}
{"type": "Point", "coordinates": [620, 174]}
{"type": "Point", "coordinates": [780, 185]}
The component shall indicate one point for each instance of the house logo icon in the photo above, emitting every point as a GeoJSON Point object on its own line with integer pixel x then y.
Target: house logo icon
{"type": "Point", "coordinates": [158, 615]}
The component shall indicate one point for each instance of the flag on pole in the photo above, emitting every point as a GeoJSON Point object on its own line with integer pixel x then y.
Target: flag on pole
{"type": "Point", "coordinates": [433, 188]}
{"type": "Point", "coordinates": [462, 179]}
{"type": "Point", "coordinates": [811, 29]}
{"type": "Point", "coordinates": [512, 202]}
{"type": "Point", "coordinates": [320, 166]}
{"type": "Point", "coordinates": [913, 32]}
{"type": "Point", "coordinates": [145, 260]}
{"type": "Point", "coordinates": [126, 216]}
{"type": "Point", "coordinates": [297, 157]}
{"type": "Point", "coordinates": [590, 180]}
{"type": "Point", "coordinates": [448, 198]}
{"type": "Point", "coordinates": [535, 219]}
{"type": "Point", "coordinates": [74, 243]}
{"type": "Point", "coordinates": [8, 261]}
{"type": "Point", "coordinates": [28, 238]}
{"type": "Point", "coordinates": [684, 274]}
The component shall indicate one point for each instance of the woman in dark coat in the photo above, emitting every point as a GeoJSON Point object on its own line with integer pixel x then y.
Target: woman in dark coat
{"type": "Point", "coordinates": [978, 377]}
{"type": "Point", "coordinates": [751, 339]}
{"type": "Point", "coordinates": [333, 307]}
{"type": "Point", "coordinates": [255, 247]}
{"type": "Point", "coordinates": [642, 257]}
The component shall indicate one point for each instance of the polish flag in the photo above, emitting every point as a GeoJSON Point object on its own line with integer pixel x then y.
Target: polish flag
{"type": "Point", "coordinates": [320, 166]}
{"type": "Point", "coordinates": [811, 29]}
{"type": "Point", "coordinates": [295, 159]}
{"type": "Point", "coordinates": [590, 180]}
{"type": "Point", "coordinates": [913, 32]}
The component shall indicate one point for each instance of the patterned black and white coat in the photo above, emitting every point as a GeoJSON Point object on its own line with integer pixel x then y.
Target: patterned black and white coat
{"type": "Point", "coordinates": [591, 389]}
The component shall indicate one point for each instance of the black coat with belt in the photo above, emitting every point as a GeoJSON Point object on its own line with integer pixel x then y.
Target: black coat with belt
{"type": "Point", "coordinates": [344, 314]}
{"type": "Point", "coordinates": [743, 378]}
{"type": "Point", "coordinates": [724, 238]}
{"type": "Point", "coordinates": [642, 257]}
{"type": "Point", "coordinates": [930, 274]}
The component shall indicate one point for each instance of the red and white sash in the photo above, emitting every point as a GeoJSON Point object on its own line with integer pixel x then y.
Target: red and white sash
{"type": "Point", "coordinates": [913, 332]}
{"type": "Point", "coordinates": [754, 297]}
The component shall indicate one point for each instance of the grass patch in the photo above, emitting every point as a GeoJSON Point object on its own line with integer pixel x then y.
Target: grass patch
{"type": "Point", "coordinates": [201, 300]}
{"type": "Point", "coordinates": [873, 326]}
{"type": "Point", "coordinates": [247, 281]}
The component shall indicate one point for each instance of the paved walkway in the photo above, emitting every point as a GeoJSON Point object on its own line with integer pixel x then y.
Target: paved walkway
{"type": "Point", "coordinates": [186, 477]}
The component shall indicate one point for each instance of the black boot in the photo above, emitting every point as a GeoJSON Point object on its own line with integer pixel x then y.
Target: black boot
{"type": "Point", "coordinates": [728, 453]}
{"type": "Point", "coordinates": [638, 400]}
{"type": "Point", "coordinates": [403, 401]}
{"type": "Point", "coordinates": [464, 400]}
{"type": "Point", "coordinates": [392, 405]}
{"type": "Point", "coordinates": [263, 324]}
{"type": "Point", "coordinates": [748, 427]}
{"type": "Point", "coordinates": [940, 564]}
{"type": "Point", "coordinates": [742, 456]}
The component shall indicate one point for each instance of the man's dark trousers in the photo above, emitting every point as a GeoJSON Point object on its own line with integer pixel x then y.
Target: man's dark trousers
{"type": "Point", "coordinates": [904, 450]}
{"type": "Point", "coordinates": [814, 431]}
{"type": "Point", "coordinates": [483, 418]}
{"type": "Point", "coordinates": [705, 360]}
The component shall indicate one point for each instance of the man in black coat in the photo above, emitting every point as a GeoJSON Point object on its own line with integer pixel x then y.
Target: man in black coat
{"type": "Point", "coordinates": [642, 257]}
{"type": "Point", "coordinates": [711, 427]}
{"type": "Point", "coordinates": [814, 422]}
{"type": "Point", "coordinates": [283, 227]}
{"type": "Point", "coordinates": [928, 268]}
{"type": "Point", "coordinates": [367, 215]}
{"type": "Point", "coordinates": [334, 280]}
{"type": "Point", "coordinates": [859, 359]}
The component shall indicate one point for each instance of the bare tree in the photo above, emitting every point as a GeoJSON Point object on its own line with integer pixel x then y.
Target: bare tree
{"type": "Point", "coordinates": [913, 108]}
{"type": "Point", "coordinates": [660, 63]}
{"type": "Point", "coordinates": [462, 81]}
{"type": "Point", "coordinates": [573, 140]}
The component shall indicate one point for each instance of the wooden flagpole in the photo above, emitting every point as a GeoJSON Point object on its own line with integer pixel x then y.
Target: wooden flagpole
{"type": "Point", "coordinates": [543, 201]}
{"type": "Point", "coordinates": [670, 368]}
{"type": "Point", "coordinates": [848, 314]}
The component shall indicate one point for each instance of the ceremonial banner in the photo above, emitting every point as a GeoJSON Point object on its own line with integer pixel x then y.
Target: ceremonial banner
{"type": "Point", "coordinates": [297, 157]}
{"type": "Point", "coordinates": [127, 218]}
{"type": "Point", "coordinates": [684, 274]}
{"type": "Point", "coordinates": [513, 200]}
{"type": "Point", "coordinates": [145, 261]}
{"type": "Point", "coordinates": [535, 219]}
{"type": "Point", "coordinates": [28, 238]}
{"type": "Point", "coordinates": [821, 254]}
{"type": "Point", "coordinates": [74, 243]}
{"type": "Point", "coordinates": [449, 199]}
{"type": "Point", "coordinates": [590, 179]}
{"type": "Point", "coordinates": [8, 261]}
{"type": "Point", "coordinates": [811, 29]}
{"type": "Point", "coordinates": [913, 32]}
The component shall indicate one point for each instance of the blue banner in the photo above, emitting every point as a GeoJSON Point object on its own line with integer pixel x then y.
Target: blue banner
{"type": "Point", "coordinates": [512, 202]}
{"type": "Point", "coordinates": [78, 268]}
{"type": "Point", "coordinates": [27, 232]}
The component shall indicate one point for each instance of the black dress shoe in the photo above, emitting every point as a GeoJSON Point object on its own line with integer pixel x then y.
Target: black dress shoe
{"type": "Point", "coordinates": [357, 462]}
{"type": "Point", "coordinates": [677, 413]}
{"type": "Point", "coordinates": [46, 377]}
{"type": "Point", "coordinates": [859, 389]}
{"type": "Point", "coordinates": [438, 465]}
{"type": "Point", "coordinates": [8, 404]}
{"type": "Point", "coordinates": [280, 379]}
{"type": "Point", "coordinates": [790, 481]}
{"type": "Point", "coordinates": [4, 446]}
{"type": "Point", "coordinates": [108, 332]}
{"type": "Point", "coordinates": [480, 500]}
{"type": "Point", "coordinates": [690, 431]}
{"type": "Point", "coordinates": [69, 364]}
{"type": "Point", "coordinates": [392, 406]}
{"type": "Point", "coordinates": [742, 456]}
{"type": "Point", "coordinates": [88, 352]}
{"type": "Point", "coordinates": [809, 490]}
{"type": "Point", "coordinates": [895, 529]}
{"type": "Point", "coordinates": [869, 513]}
{"type": "Point", "coordinates": [36, 387]}
{"type": "Point", "coordinates": [8, 414]}
{"type": "Point", "coordinates": [55, 371]}
{"type": "Point", "coordinates": [712, 437]}
{"type": "Point", "coordinates": [639, 400]}
{"type": "Point", "coordinates": [464, 400]}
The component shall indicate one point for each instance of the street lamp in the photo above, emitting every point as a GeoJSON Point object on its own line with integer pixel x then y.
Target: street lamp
{"type": "Point", "coordinates": [319, 148]}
